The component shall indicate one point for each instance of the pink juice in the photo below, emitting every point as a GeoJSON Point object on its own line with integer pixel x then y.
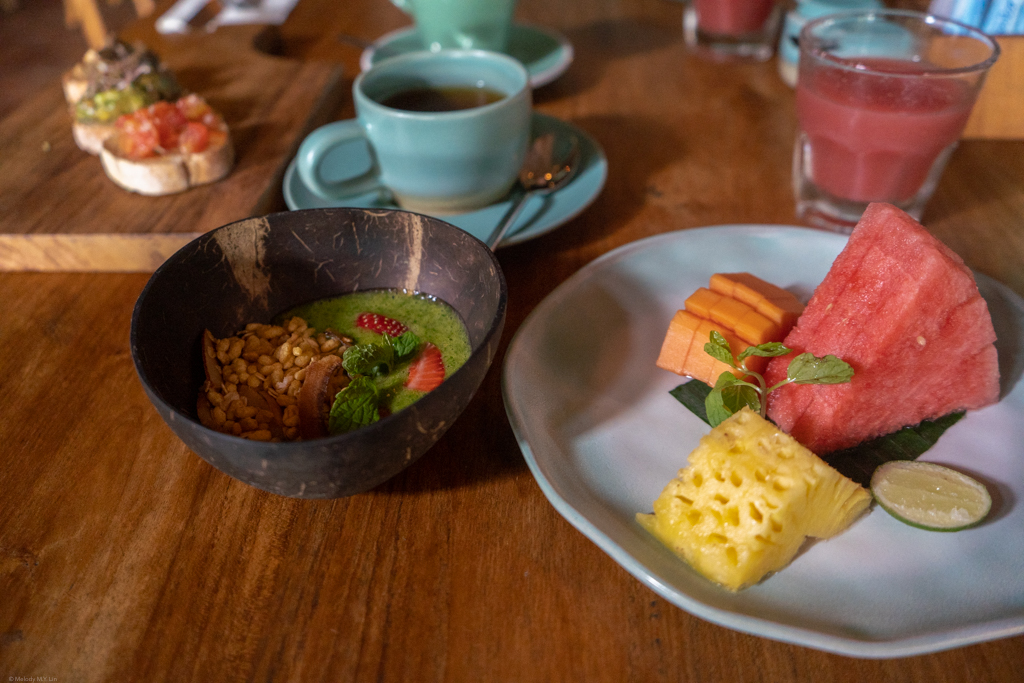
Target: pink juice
{"type": "Point", "coordinates": [732, 17]}
{"type": "Point", "coordinates": [875, 137]}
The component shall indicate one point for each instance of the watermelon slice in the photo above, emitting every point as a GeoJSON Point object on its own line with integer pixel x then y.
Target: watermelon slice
{"type": "Point", "coordinates": [903, 310]}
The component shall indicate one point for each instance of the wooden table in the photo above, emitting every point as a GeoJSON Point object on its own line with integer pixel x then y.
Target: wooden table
{"type": "Point", "coordinates": [123, 556]}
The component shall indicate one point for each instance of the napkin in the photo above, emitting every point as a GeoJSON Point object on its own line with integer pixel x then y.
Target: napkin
{"type": "Point", "coordinates": [177, 18]}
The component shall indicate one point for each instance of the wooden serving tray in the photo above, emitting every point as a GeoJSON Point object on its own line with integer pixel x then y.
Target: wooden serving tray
{"type": "Point", "coordinates": [60, 212]}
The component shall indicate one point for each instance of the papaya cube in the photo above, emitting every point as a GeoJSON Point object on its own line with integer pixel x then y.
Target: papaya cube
{"type": "Point", "coordinates": [729, 311]}
{"type": "Point", "coordinates": [676, 347]}
{"type": "Point", "coordinates": [783, 313]}
{"type": "Point", "coordinates": [771, 301]}
{"type": "Point", "coordinates": [755, 329]}
{"type": "Point", "coordinates": [722, 283]}
{"type": "Point", "coordinates": [702, 301]}
{"type": "Point", "coordinates": [746, 287]}
{"type": "Point", "coordinates": [740, 286]}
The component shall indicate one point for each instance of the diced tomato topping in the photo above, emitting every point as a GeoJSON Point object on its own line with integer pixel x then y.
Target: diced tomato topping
{"type": "Point", "coordinates": [194, 138]}
{"type": "Point", "coordinates": [169, 122]}
{"type": "Point", "coordinates": [188, 124]}
{"type": "Point", "coordinates": [426, 372]}
{"type": "Point", "coordinates": [138, 136]}
{"type": "Point", "coordinates": [194, 107]}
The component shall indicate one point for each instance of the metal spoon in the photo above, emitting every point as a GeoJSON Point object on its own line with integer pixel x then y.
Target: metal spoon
{"type": "Point", "coordinates": [538, 176]}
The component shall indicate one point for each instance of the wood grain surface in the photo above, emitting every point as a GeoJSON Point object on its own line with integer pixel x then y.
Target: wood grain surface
{"type": "Point", "coordinates": [52, 189]}
{"type": "Point", "coordinates": [125, 557]}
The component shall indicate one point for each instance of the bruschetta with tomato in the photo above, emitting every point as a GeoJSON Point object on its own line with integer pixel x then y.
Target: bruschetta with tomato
{"type": "Point", "coordinates": [168, 147]}
{"type": "Point", "coordinates": [116, 80]}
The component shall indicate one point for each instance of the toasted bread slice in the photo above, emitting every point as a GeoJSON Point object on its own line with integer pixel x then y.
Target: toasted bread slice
{"type": "Point", "coordinates": [90, 136]}
{"type": "Point", "coordinates": [167, 173]}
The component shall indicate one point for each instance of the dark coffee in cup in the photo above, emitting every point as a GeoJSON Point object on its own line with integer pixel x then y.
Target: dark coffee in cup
{"type": "Point", "coordinates": [428, 161]}
{"type": "Point", "coordinates": [449, 98]}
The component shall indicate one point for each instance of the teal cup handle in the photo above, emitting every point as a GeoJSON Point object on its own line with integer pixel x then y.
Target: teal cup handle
{"type": "Point", "coordinates": [319, 144]}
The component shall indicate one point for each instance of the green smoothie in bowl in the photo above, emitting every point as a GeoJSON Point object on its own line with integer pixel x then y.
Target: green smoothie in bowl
{"type": "Point", "coordinates": [330, 366]}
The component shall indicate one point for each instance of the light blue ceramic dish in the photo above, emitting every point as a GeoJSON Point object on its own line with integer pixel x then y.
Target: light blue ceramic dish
{"type": "Point", "coordinates": [539, 216]}
{"type": "Point", "coordinates": [545, 53]}
{"type": "Point", "coordinates": [602, 436]}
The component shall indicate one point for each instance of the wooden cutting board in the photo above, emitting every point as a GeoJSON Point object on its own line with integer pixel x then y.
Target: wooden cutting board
{"type": "Point", "coordinates": [60, 212]}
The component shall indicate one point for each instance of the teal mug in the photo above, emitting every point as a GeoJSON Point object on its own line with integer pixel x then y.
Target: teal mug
{"type": "Point", "coordinates": [447, 132]}
{"type": "Point", "coordinates": [461, 24]}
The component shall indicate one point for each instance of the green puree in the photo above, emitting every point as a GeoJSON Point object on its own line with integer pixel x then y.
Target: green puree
{"type": "Point", "coordinates": [430, 319]}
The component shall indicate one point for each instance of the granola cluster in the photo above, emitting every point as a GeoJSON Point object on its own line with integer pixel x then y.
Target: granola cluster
{"type": "Point", "coordinates": [254, 378]}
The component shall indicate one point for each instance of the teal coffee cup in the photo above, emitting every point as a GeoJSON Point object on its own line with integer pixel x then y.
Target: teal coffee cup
{"type": "Point", "coordinates": [446, 132]}
{"type": "Point", "coordinates": [461, 24]}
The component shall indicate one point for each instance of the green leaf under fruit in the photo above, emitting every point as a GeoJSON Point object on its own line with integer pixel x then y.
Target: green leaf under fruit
{"type": "Point", "coordinates": [859, 462]}
{"type": "Point", "coordinates": [355, 406]}
{"type": "Point", "coordinates": [693, 395]}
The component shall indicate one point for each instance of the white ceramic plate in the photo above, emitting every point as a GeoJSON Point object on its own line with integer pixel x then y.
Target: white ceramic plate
{"type": "Point", "coordinates": [602, 436]}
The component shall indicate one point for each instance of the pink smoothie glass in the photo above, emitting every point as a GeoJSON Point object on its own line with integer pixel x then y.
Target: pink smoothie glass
{"type": "Point", "coordinates": [732, 30]}
{"type": "Point", "coordinates": [882, 99]}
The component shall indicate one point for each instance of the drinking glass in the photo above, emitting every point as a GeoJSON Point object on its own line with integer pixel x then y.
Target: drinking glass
{"type": "Point", "coordinates": [732, 30]}
{"type": "Point", "coordinates": [882, 98]}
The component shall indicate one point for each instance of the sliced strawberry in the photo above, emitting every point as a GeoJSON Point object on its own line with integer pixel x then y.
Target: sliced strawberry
{"type": "Point", "coordinates": [426, 372]}
{"type": "Point", "coordinates": [380, 324]}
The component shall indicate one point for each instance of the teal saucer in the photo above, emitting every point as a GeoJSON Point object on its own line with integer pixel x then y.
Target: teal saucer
{"type": "Point", "coordinates": [540, 214]}
{"type": "Point", "coordinates": [546, 54]}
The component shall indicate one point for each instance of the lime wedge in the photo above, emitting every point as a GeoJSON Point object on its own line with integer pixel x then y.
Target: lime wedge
{"type": "Point", "coordinates": [930, 496]}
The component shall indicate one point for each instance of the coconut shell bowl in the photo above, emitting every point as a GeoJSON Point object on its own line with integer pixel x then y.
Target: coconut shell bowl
{"type": "Point", "coordinates": [255, 269]}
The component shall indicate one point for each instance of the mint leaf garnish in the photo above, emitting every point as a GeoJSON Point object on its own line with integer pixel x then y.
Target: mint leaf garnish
{"type": "Point", "coordinates": [379, 358]}
{"type": "Point", "coordinates": [355, 406]}
{"type": "Point", "coordinates": [731, 394]}
{"type": "Point", "coordinates": [368, 359]}
{"type": "Point", "coordinates": [719, 349]}
{"type": "Point", "coordinates": [767, 350]}
{"type": "Point", "coordinates": [404, 346]}
{"type": "Point", "coordinates": [728, 397]}
{"type": "Point", "coordinates": [737, 393]}
{"type": "Point", "coordinates": [809, 369]}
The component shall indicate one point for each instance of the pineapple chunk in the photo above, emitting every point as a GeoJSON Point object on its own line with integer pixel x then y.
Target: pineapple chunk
{"type": "Point", "coordinates": [747, 499]}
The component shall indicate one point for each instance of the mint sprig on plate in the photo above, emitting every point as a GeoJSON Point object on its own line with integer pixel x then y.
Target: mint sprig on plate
{"type": "Point", "coordinates": [731, 394]}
